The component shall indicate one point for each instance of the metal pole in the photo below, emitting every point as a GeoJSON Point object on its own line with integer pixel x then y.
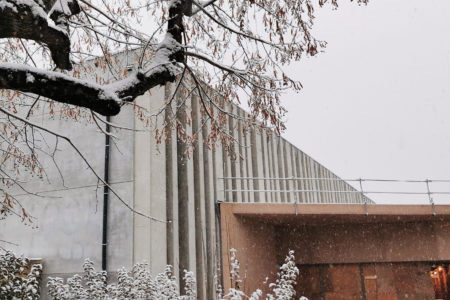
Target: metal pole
{"type": "Point", "coordinates": [363, 286]}
{"type": "Point", "coordinates": [429, 197]}
{"type": "Point", "coordinates": [322, 285]}
{"type": "Point", "coordinates": [106, 197]}
{"type": "Point", "coordinates": [363, 199]}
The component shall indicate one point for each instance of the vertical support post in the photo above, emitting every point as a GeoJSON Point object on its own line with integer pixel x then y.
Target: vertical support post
{"type": "Point", "coordinates": [219, 239]}
{"type": "Point", "coordinates": [106, 197]}
{"type": "Point", "coordinates": [363, 286]}
{"type": "Point", "coordinates": [363, 199]}
{"type": "Point", "coordinates": [427, 181]}
{"type": "Point", "coordinates": [322, 285]}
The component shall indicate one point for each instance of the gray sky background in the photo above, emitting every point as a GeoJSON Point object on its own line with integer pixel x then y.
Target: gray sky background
{"type": "Point", "coordinates": [376, 103]}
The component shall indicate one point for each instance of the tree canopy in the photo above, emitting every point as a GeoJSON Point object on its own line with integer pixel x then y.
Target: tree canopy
{"type": "Point", "coordinates": [221, 51]}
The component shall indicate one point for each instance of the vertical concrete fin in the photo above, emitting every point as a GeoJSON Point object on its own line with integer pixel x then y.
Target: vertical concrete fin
{"type": "Point", "coordinates": [241, 157]}
{"type": "Point", "coordinates": [183, 193]}
{"type": "Point", "coordinates": [255, 172]}
{"type": "Point", "coordinates": [198, 201]}
{"type": "Point", "coordinates": [232, 154]}
{"type": "Point", "coordinates": [169, 184]}
{"type": "Point", "coordinates": [264, 183]}
{"type": "Point", "coordinates": [280, 162]}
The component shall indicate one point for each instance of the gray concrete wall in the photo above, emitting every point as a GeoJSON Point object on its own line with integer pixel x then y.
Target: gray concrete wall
{"type": "Point", "coordinates": [67, 227]}
{"type": "Point", "coordinates": [68, 207]}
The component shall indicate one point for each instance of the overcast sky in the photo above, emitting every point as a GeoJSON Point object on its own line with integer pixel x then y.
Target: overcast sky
{"type": "Point", "coordinates": [376, 104]}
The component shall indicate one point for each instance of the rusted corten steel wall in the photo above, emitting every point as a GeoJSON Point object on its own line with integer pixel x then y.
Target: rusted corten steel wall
{"type": "Point", "coordinates": [341, 236]}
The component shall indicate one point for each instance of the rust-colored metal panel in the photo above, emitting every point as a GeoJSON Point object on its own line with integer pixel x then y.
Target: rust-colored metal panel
{"type": "Point", "coordinates": [412, 281]}
{"type": "Point", "coordinates": [387, 296]}
{"type": "Point", "coordinates": [401, 281]}
{"type": "Point", "coordinates": [308, 282]}
{"type": "Point", "coordinates": [370, 281]}
{"type": "Point", "coordinates": [382, 281]}
{"type": "Point", "coordinates": [342, 282]}
{"type": "Point", "coordinates": [385, 281]}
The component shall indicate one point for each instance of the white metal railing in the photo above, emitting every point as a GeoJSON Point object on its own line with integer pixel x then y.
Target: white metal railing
{"type": "Point", "coordinates": [296, 186]}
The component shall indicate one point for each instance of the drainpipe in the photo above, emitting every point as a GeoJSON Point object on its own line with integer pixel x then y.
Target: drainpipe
{"type": "Point", "coordinates": [105, 197]}
{"type": "Point", "coordinates": [219, 237]}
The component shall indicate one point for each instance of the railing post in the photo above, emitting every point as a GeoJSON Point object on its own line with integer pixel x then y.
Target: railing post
{"type": "Point", "coordinates": [430, 199]}
{"type": "Point", "coordinates": [295, 195]}
{"type": "Point", "coordinates": [363, 199]}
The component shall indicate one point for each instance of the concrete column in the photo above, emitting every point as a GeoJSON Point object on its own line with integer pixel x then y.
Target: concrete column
{"type": "Point", "coordinates": [320, 183]}
{"type": "Point", "coordinates": [241, 157]}
{"type": "Point", "coordinates": [209, 215]}
{"type": "Point", "coordinates": [232, 153]}
{"type": "Point", "coordinates": [198, 201]}
{"type": "Point", "coordinates": [264, 183]}
{"type": "Point", "coordinates": [226, 164]}
{"type": "Point", "coordinates": [329, 187]}
{"type": "Point", "coordinates": [312, 195]}
{"type": "Point", "coordinates": [271, 159]}
{"type": "Point", "coordinates": [300, 183]}
{"type": "Point", "coordinates": [286, 160]}
{"type": "Point", "coordinates": [280, 162]}
{"type": "Point", "coordinates": [219, 171]}
{"type": "Point", "coordinates": [255, 170]}
{"type": "Point", "coordinates": [312, 183]}
{"type": "Point", "coordinates": [248, 164]}
{"type": "Point", "coordinates": [326, 174]}
{"type": "Point", "coordinates": [344, 196]}
{"type": "Point", "coordinates": [169, 185]}
{"type": "Point", "coordinates": [183, 194]}
{"type": "Point", "coordinates": [142, 232]}
{"type": "Point", "coordinates": [295, 183]}
{"type": "Point", "coordinates": [158, 195]}
{"type": "Point", "coordinates": [274, 157]}
{"type": "Point", "coordinates": [217, 186]}
{"type": "Point", "coordinates": [333, 197]}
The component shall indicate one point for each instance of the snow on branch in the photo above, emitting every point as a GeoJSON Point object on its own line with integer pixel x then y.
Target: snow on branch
{"type": "Point", "coordinates": [59, 87]}
{"type": "Point", "coordinates": [28, 19]}
{"type": "Point", "coordinates": [103, 99]}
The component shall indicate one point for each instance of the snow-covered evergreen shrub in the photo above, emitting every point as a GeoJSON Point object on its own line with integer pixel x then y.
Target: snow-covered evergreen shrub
{"type": "Point", "coordinates": [235, 293]}
{"type": "Point", "coordinates": [15, 282]}
{"type": "Point", "coordinates": [282, 289]}
{"type": "Point", "coordinates": [138, 284]}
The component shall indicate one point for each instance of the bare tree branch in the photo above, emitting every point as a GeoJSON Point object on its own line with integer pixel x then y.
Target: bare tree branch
{"type": "Point", "coordinates": [83, 158]}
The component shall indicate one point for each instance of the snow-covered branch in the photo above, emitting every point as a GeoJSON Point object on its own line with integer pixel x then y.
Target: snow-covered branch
{"type": "Point", "coordinates": [104, 99]}
{"type": "Point", "coordinates": [200, 5]}
{"type": "Point", "coordinates": [29, 19]}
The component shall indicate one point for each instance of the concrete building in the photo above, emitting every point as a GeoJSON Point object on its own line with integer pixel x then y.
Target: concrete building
{"type": "Point", "coordinates": [193, 210]}
{"type": "Point", "coordinates": [180, 195]}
